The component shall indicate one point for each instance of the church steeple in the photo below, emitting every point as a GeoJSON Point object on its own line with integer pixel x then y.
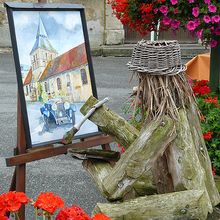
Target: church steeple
{"type": "Point", "coordinates": [42, 40]}
{"type": "Point", "coordinates": [42, 51]}
{"type": "Point", "coordinates": [41, 32]}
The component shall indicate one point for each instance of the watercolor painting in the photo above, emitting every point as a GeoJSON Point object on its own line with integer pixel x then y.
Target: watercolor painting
{"type": "Point", "coordinates": [55, 72]}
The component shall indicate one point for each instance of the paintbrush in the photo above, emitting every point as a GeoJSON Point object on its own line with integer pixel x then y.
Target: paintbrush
{"type": "Point", "coordinates": [68, 136]}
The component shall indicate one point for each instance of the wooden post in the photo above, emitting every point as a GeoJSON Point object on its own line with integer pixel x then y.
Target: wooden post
{"type": "Point", "coordinates": [215, 66]}
{"type": "Point", "coordinates": [20, 176]}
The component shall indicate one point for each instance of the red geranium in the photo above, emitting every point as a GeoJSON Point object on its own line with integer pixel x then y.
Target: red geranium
{"type": "Point", "coordinates": [49, 202]}
{"type": "Point", "coordinates": [208, 135]}
{"type": "Point", "coordinates": [214, 171]}
{"type": "Point", "coordinates": [201, 87]}
{"type": "Point", "coordinates": [210, 99]}
{"type": "Point", "coordinates": [100, 216]}
{"type": "Point", "coordinates": [72, 213]}
{"type": "Point", "coordinates": [12, 201]}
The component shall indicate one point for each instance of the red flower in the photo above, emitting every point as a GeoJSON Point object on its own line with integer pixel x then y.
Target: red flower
{"type": "Point", "coordinates": [203, 82]}
{"type": "Point", "coordinates": [210, 99]}
{"type": "Point", "coordinates": [205, 90]}
{"type": "Point", "coordinates": [3, 206]}
{"type": "Point", "coordinates": [201, 90]}
{"type": "Point", "coordinates": [208, 135]}
{"type": "Point", "coordinates": [100, 216]}
{"type": "Point", "coordinates": [146, 8]}
{"type": "Point", "coordinates": [2, 217]}
{"type": "Point", "coordinates": [214, 171]}
{"type": "Point", "coordinates": [49, 202]}
{"type": "Point", "coordinates": [12, 201]}
{"type": "Point", "coordinates": [72, 213]}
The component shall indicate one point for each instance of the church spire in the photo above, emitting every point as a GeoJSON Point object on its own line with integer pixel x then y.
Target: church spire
{"type": "Point", "coordinates": [42, 40]}
{"type": "Point", "coordinates": [41, 32]}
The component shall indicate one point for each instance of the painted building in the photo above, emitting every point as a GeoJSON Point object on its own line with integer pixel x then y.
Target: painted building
{"type": "Point", "coordinates": [67, 76]}
{"type": "Point", "coordinates": [52, 76]}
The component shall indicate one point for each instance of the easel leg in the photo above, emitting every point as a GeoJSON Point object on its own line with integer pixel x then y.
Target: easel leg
{"type": "Point", "coordinates": [13, 182]}
{"type": "Point", "coordinates": [20, 170]}
{"type": "Point", "coordinates": [20, 186]}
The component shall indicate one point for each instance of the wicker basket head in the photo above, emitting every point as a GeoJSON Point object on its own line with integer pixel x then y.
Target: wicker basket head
{"type": "Point", "coordinates": [157, 58]}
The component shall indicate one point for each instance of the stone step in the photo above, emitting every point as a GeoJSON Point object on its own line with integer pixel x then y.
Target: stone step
{"type": "Point", "coordinates": [187, 50]}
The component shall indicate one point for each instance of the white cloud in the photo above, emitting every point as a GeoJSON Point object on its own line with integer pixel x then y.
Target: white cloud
{"type": "Point", "coordinates": [23, 19]}
{"type": "Point", "coordinates": [69, 20]}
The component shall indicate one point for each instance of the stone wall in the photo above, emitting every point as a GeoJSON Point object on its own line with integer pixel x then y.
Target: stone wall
{"type": "Point", "coordinates": [103, 27]}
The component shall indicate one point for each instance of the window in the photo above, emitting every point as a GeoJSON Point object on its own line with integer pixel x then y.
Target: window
{"type": "Point", "coordinates": [84, 76]}
{"type": "Point", "coordinates": [46, 87]}
{"type": "Point", "coordinates": [68, 80]}
{"type": "Point", "coordinates": [26, 90]}
{"type": "Point", "coordinates": [59, 86]}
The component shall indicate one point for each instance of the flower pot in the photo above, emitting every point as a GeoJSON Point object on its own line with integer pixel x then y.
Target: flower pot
{"type": "Point", "coordinates": [199, 67]}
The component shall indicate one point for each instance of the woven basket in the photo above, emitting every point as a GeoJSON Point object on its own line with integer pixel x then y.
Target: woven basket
{"type": "Point", "coordinates": [157, 58]}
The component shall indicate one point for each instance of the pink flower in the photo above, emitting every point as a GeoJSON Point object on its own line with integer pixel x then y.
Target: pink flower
{"type": "Point", "coordinates": [199, 33]}
{"type": "Point", "coordinates": [217, 31]}
{"type": "Point", "coordinates": [197, 22]}
{"type": "Point", "coordinates": [174, 2]}
{"type": "Point", "coordinates": [175, 24]}
{"type": "Point", "coordinates": [163, 9]}
{"type": "Point", "coordinates": [215, 19]}
{"type": "Point", "coordinates": [166, 21]}
{"type": "Point", "coordinates": [213, 43]}
{"type": "Point", "coordinates": [195, 12]}
{"type": "Point", "coordinates": [212, 8]}
{"type": "Point", "coordinates": [207, 1]}
{"type": "Point", "coordinates": [207, 19]}
{"type": "Point", "coordinates": [191, 1]}
{"type": "Point", "coordinates": [191, 26]}
{"type": "Point", "coordinates": [155, 10]}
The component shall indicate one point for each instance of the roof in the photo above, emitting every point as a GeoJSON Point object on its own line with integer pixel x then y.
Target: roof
{"type": "Point", "coordinates": [28, 77]}
{"type": "Point", "coordinates": [67, 61]}
{"type": "Point", "coordinates": [42, 40]}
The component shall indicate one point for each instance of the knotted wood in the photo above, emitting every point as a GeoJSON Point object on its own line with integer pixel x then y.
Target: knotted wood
{"type": "Point", "coordinates": [197, 137]}
{"type": "Point", "coordinates": [111, 123]}
{"type": "Point", "coordinates": [139, 157]}
{"type": "Point", "coordinates": [190, 204]}
{"type": "Point", "coordinates": [107, 121]}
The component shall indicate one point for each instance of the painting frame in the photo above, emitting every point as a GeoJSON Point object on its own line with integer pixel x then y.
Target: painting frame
{"type": "Point", "coordinates": [46, 8]}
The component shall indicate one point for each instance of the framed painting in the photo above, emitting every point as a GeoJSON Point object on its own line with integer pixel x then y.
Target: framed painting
{"type": "Point", "coordinates": [54, 69]}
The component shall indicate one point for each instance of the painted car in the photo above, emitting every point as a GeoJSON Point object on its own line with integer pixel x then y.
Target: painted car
{"type": "Point", "coordinates": [58, 111]}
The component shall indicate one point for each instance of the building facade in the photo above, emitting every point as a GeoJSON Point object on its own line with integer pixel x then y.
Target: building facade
{"type": "Point", "coordinates": [103, 27]}
{"type": "Point", "coordinates": [52, 75]}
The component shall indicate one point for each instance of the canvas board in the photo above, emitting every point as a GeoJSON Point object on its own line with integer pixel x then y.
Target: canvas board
{"type": "Point", "coordinates": [54, 69]}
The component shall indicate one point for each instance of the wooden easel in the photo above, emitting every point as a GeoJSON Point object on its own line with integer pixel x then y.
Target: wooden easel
{"type": "Point", "coordinates": [24, 155]}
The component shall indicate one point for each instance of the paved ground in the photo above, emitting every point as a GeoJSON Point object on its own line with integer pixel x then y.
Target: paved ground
{"type": "Point", "coordinates": [62, 174]}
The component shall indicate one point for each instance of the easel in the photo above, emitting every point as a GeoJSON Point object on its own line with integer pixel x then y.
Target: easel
{"type": "Point", "coordinates": [23, 154]}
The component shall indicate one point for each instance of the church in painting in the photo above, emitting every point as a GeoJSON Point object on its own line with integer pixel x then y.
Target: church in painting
{"type": "Point", "coordinates": [52, 75]}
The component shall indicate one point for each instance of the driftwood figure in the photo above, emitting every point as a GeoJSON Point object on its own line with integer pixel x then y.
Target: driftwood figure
{"type": "Point", "coordinates": [167, 156]}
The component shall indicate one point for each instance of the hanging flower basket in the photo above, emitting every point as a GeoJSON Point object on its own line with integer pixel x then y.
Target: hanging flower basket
{"type": "Point", "coordinates": [201, 18]}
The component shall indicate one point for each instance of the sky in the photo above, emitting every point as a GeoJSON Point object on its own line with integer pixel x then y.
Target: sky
{"type": "Point", "coordinates": [64, 30]}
